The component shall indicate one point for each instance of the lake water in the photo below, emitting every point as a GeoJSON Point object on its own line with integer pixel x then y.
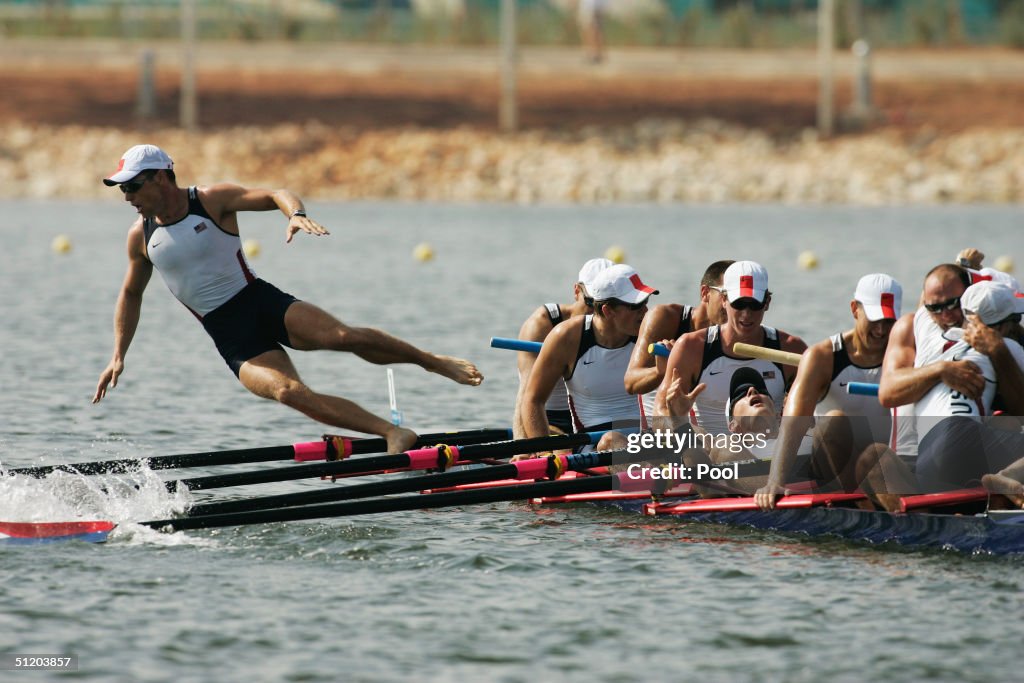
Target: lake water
{"type": "Point", "coordinates": [502, 592]}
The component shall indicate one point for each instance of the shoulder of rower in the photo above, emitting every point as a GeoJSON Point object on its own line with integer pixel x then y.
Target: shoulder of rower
{"type": "Point", "coordinates": [791, 342]}
{"type": "Point", "coordinates": [137, 238]}
{"type": "Point", "coordinates": [537, 326]}
{"type": "Point", "coordinates": [817, 363]}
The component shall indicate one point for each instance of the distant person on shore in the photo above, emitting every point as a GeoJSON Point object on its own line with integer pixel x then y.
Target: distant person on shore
{"type": "Point", "coordinates": [191, 236]}
{"type": "Point", "coordinates": [590, 15]}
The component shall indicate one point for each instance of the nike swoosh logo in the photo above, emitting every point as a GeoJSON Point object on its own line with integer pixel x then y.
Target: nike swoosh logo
{"type": "Point", "coordinates": [587, 362]}
{"type": "Point", "coordinates": [843, 384]}
{"type": "Point", "coordinates": [716, 373]}
{"type": "Point", "coordinates": [155, 244]}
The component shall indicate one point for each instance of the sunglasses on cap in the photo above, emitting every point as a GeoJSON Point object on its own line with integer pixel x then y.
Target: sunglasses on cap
{"type": "Point", "coordinates": [947, 305]}
{"type": "Point", "coordinates": [136, 183]}
{"type": "Point", "coordinates": [747, 303]}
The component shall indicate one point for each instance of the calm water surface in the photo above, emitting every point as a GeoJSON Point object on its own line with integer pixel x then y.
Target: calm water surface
{"type": "Point", "coordinates": [502, 592]}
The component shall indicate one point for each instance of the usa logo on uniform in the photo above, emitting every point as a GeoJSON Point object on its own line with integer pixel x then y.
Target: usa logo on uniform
{"type": "Point", "coordinates": [199, 228]}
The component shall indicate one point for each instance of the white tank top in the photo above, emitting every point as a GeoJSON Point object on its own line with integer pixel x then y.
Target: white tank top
{"type": "Point", "coordinates": [942, 402]}
{"type": "Point", "coordinates": [559, 398]}
{"type": "Point", "coordinates": [929, 344]}
{"type": "Point", "coordinates": [837, 398]}
{"type": "Point", "coordinates": [201, 264]}
{"type": "Point", "coordinates": [597, 388]}
{"type": "Point", "coordinates": [716, 372]}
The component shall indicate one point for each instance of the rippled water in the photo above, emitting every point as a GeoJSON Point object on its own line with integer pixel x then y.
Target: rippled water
{"type": "Point", "coordinates": [502, 592]}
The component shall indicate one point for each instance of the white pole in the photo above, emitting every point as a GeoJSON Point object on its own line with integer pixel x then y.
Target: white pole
{"type": "Point", "coordinates": [188, 113]}
{"type": "Point", "coordinates": [508, 113]}
{"type": "Point", "coordinates": [826, 50]}
{"type": "Point", "coordinates": [145, 103]}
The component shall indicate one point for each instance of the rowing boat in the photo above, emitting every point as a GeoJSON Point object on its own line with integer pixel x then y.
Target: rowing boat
{"type": "Point", "coordinates": [964, 525]}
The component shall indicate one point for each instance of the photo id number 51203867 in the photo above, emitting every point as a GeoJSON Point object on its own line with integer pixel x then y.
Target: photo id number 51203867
{"type": "Point", "coordinates": [18, 662]}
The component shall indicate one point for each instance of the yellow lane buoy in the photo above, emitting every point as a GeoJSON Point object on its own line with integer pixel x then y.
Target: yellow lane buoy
{"type": "Point", "coordinates": [61, 244]}
{"type": "Point", "coordinates": [423, 252]}
{"type": "Point", "coordinates": [251, 248]}
{"type": "Point", "coordinates": [807, 260]}
{"type": "Point", "coordinates": [615, 254]}
{"type": "Point", "coordinates": [1003, 263]}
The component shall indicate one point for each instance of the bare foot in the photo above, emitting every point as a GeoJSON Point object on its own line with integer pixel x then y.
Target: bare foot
{"type": "Point", "coordinates": [1004, 486]}
{"type": "Point", "coordinates": [400, 440]}
{"type": "Point", "coordinates": [457, 369]}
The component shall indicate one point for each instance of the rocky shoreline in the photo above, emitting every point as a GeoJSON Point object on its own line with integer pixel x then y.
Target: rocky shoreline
{"type": "Point", "coordinates": [703, 161]}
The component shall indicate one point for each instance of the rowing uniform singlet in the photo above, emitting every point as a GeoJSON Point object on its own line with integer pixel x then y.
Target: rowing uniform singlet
{"type": "Point", "coordinates": [203, 265]}
{"type": "Point", "coordinates": [929, 344]}
{"type": "Point", "coordinates": [716, 372]}
{"type": "Point", "coordinates": [837, 398]}
{"type": "Point", "coordinates": [559, 399]}
{"type": "Point", "coordinates": [942, 401]}
{"type": "Point", "coordinates": [597, 391]}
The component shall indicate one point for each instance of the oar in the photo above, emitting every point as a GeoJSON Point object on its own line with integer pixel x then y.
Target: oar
{"type": "Point", "coordinates": [561, 487]}
{"type": "Point", "coordinates": [536, 468]}
{"type": "Point", "coordinates": [515, 344]}
{"type": "Point", "coordinates": [862, 388]}
{"type": "Point", "coordinates": [440, 457]}
{"type": "Point", "coordinates": [330, 448]}
{"type": "Point", "coordinates": [773, 355]}
{"type": "Point", "coordinates": [380, 505]}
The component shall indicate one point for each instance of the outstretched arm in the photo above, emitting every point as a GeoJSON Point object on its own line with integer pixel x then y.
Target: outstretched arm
{"type": "Point", "coordinates": [224, 200]}
{"type": "Point", "coordinates": [128, 309]}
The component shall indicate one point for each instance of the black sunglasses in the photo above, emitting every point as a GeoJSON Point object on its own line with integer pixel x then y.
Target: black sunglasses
{"type": "Point", "coordinates": [136, 184]}
{"type": "Point", "coordinates": [747, 303]}
{"type": "Point", "coordinates": [947, 305]}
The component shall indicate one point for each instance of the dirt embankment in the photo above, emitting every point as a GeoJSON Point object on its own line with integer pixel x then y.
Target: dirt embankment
{"type": "Point", "coordinates": [631, 130]}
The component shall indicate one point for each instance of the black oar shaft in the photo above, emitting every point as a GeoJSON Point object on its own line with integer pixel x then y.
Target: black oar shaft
{"type": "Point", "coordinates": [252, 455]}
{"type": "Point", "coordinates": [381, 505]}
{"type": "Point", "coordinates": [374, 463]}
{"type": "Point", "coordinates": [352, 492]}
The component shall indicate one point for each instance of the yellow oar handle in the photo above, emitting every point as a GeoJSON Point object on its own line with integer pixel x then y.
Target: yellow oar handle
{"type": "Point", "coordinates": [773, 355]}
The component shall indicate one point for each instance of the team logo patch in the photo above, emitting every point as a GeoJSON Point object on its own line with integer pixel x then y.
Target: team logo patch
{"type": "Point", "coordinates": [199, 228]}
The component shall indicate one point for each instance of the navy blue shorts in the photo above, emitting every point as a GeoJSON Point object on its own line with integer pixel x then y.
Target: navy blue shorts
{"type": "Point", "coordinates": [959, 451]}
{"type": "Point", "coordinates": [249, 323]}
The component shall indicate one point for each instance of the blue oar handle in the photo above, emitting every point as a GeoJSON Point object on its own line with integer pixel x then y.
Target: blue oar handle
{"type": "Point", "coordinates": [515, 344]}
{"type": "Point", "coordinates": [862, 388]}
{"type": "Point", "coordinates": [659, 349]}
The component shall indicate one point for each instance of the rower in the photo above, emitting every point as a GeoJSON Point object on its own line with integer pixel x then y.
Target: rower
{"type": "Point", "coordinates": [819, 391]}
{"type": "Point", "coordinates": [911, 367]}
{"type": "Point", "coordinates": [591, 353]}
{"type": "Point", "coordinates": [705, 356]}
{"type": "Point", "coordinates": [957, 446]}
{"type": "Point", "coordinates": [667, 322]}
{"type": "Point", "coordinates": [536, 328]}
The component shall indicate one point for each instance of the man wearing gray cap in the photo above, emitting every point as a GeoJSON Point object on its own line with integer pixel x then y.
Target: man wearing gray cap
{"type": "Point", "coordinates": [536, 328]}
{"type": "Point", "coordinates": [191, 236]}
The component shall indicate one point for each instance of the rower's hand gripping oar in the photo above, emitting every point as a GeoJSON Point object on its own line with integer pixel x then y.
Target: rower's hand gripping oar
{"type": "Point", "coordinates": [331, 447]}
{"type": "Point", "coordinates": [440, 457]}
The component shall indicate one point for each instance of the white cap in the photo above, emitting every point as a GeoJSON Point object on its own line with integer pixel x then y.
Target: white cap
{"type": "Point", "coordinates": [136, 160]}
{"type": "Point", "coordinates": [996, 276]}
{"type": "Point", "coordinates": [745, 280]}
{"type": "Point", "coordinates": [881, 296]}
{"type": "Point", "coordinates": [619, 282]}
{"type": "Point", "coordinates": [991, 302]}
{"type": "Point", "coordinates": [590, 270]}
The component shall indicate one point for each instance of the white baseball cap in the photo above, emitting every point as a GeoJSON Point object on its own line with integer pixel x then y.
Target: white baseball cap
{"type": "Point", "coordinates": [881, 296]}
{"type": "Point", "coordinates": [136, 160]}
{"type": "Point", "coordinates": [745, 280]}
{"type": "Point", "coordinates": [991, 302]}
{"type": "Point", "coordinates": [621, 282]}
{"type": "Point", "coordinates": [590, 270]}
{"type": "Point", "coordinates": [996, 276]}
